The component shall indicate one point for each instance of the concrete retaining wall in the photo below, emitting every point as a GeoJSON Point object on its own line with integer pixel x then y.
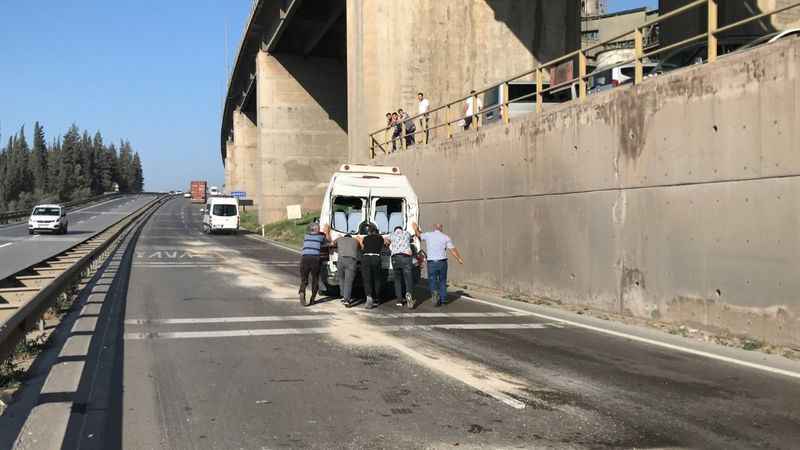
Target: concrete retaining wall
{"type": "Point", "coordinates": [678, 199]}
{"type": "Point", "coordinates": [443, 48]}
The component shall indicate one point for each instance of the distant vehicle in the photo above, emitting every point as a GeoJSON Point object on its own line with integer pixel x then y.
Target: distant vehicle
{"type": "Point", "coordinates": [52, 218]}
{"type": "Point", "coordinates": [198, 190]}
{"type": "Point", "coordinates": [697, 54]}
{"type": "Point", "coordinates": [221, 214]}
{"type": "Point", "coordinates": [213, 191]}
{"type": "Point", "coordinates": [187, 195]}
{"type": "Point", "coordinates": [171, 192]}
{"type": "Point", "coordinates": [772, 37]}
{"type": "Point", "coordinates": [178, 192]}
{"type": "Point", "coordinates": [523, 99]}
{"type": "Point", "coordinates": [603, 79]}
{"type": "Point", "coordinates": [361, 195]}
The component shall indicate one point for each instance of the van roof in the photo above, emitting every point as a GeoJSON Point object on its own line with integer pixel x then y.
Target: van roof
{"type": "Point", "coordinates": [48, 205]}
{"type": "Point", "coordinates": [223, 199]}
{"type": "Point", "coordinates": [359, 168]}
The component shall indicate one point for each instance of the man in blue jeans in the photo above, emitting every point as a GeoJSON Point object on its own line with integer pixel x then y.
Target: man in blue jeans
{"type": "Point", "coordinates": [437, 244]}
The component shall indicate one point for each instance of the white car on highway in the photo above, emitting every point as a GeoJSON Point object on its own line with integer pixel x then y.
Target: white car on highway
{"type": "Point", "coordinates": [52, 218]}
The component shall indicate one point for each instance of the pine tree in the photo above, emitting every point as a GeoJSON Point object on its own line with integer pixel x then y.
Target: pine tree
{"type": "Point", "coordinates": [38, 160]}
{"type": "Point", "coordinates": [70, 170]}
{"type": "Point", "coordinates": [137, 174]}
{"type": "Point", "coordinates": [124, 167]}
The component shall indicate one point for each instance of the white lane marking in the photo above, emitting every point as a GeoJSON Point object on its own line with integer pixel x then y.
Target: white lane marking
{"type": "Point", "coordinates": [248, 319]}
{"type": "Point", "coordinates": [326, 330]}
{"type": "Point", "coordinates": [378, 315]}
{"type": "Point", "coordinates": [654, 342]}
{"type": "Point", "coordinates": [173, 266]}
{"type": "Point", "coordinates": [227, 319]}
{"type": "Point", "coordinates": [5, 245]}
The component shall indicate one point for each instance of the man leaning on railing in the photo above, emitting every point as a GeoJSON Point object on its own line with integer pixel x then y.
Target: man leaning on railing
{"type": "Point", "coordinates": [423, 107]}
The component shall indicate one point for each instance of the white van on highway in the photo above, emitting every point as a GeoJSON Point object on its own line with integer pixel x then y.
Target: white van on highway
{"type": "Point", "coordinates": [51, 218]}
{"type": "Point", "coordinates": [358, 195]}
{"type": "Point", "coordinates": [221, 214]}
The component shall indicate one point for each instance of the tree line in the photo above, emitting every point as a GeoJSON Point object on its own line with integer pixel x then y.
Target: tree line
{"type": "Point", "coordinates": [72, 167]}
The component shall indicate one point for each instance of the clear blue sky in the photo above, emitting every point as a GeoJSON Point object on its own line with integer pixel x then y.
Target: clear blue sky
{"type": "Point", "coordinates": [619, 5]}
{"type": "Point", "coordinates": [150, 71]}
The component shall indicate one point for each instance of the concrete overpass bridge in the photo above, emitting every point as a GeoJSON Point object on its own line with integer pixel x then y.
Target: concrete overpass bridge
{"type": "Point", "coordinates": [311, 79]}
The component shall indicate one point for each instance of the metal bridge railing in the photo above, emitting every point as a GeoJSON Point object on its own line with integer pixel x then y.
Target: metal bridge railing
{"type": "Point", "coordinates": [379, 141]}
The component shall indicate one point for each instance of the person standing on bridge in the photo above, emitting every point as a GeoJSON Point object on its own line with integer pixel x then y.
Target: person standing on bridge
{"type": "Point", "coordinates": [437, 244]}
{"type": "Point", "coordinates": [410, 128]}
{"type": "Point", "coordinates": [310, 262]}
{"type": "Point", "coordinates": [398, 130]}
{"type": "Point", "coordinates": [471, 110]}
{"type": "Point", "coordinates": [422, 108]}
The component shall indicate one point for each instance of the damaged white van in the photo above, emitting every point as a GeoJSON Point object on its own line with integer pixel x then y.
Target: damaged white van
{"type": "Point", "coordinates": [360, 195]}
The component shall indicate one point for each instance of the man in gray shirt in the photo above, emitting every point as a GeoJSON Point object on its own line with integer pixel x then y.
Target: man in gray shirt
{"type": "Point", "coordinates": [347, 247]}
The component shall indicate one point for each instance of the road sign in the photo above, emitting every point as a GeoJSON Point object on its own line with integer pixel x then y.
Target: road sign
{"type": "Point", "coordinates": [294, 212]}
{"type": "Point", "coordinates": [239, 194]}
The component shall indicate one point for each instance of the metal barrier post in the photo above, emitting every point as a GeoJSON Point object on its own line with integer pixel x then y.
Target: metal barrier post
{"type": "Point", "coordinates": [372, 147]}
{"type": "Point", "coordinates": [539, 83]}
{"type": "Point", "coordinates": [449, 120]}
{"type": "Point", "coordinates": [639, 49]}
{"type": "Point", "coordinates": [712, 28]}
{"type": "Point", "coordinates": [403, 134]}
{"type": "Point", "coordinates": [506, 105]}
{"type": "Point", "coordinates": [581, 75]}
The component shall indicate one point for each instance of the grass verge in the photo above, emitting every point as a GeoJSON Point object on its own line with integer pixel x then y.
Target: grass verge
{"type": "Point", "coordinates": [290, 232]}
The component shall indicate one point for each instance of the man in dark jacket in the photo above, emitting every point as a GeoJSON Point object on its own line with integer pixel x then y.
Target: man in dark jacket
{"type": "Point", "coordinates": [310, 263]}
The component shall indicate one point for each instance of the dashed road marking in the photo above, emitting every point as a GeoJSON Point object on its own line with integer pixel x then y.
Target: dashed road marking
{"type": "Point", "coordinates": [227, 319]}
{"type": "Point", "coordinates": [5, 245]}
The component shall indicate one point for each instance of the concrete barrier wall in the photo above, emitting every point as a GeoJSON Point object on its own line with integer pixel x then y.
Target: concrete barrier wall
{"type": "Point", "coordinates": [678, 199]}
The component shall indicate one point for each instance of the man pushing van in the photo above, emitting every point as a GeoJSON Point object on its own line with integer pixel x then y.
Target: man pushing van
{"type": "Point", "coordinates": [437, 244]}
{"type": "Point", "coordinates": [310, 262]}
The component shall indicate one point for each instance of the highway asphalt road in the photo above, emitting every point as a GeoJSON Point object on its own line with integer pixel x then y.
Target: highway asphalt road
{"type": "Point", "coordinates": [18, 249]}
{"type": "Point", "coordinates": [216, 352]}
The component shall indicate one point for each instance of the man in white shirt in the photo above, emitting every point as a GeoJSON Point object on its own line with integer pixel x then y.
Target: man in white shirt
{"type": "Point", "coordinates": [423, 108]}
{"type": "Point", "coordinates": [437, 245]}
{"type": "Point", "coordinates": [470, 112]}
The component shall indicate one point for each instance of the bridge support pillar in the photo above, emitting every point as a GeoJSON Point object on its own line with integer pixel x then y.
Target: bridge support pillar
{"type": "Point", "coordinates": [302, 123]}
{"type": "Point", "coordinates": [241, 163]}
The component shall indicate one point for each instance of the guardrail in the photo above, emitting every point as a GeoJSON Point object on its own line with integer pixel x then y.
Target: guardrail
{"type": "Point", "coordinates": [20, 214]}
{"type": "Point", "coordinates": [713, 30]}
{"type": "Point", "coordinates": [26, 295]}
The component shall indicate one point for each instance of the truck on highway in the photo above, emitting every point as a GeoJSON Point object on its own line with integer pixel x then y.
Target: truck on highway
{"type": "Point", "coordinates": [198, 190]}
{"type": "Point", "coordinates": [359, 195]}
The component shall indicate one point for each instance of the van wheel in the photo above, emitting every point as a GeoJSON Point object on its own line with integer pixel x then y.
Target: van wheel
{"type": "Point", "coordinates": [30, 231]}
